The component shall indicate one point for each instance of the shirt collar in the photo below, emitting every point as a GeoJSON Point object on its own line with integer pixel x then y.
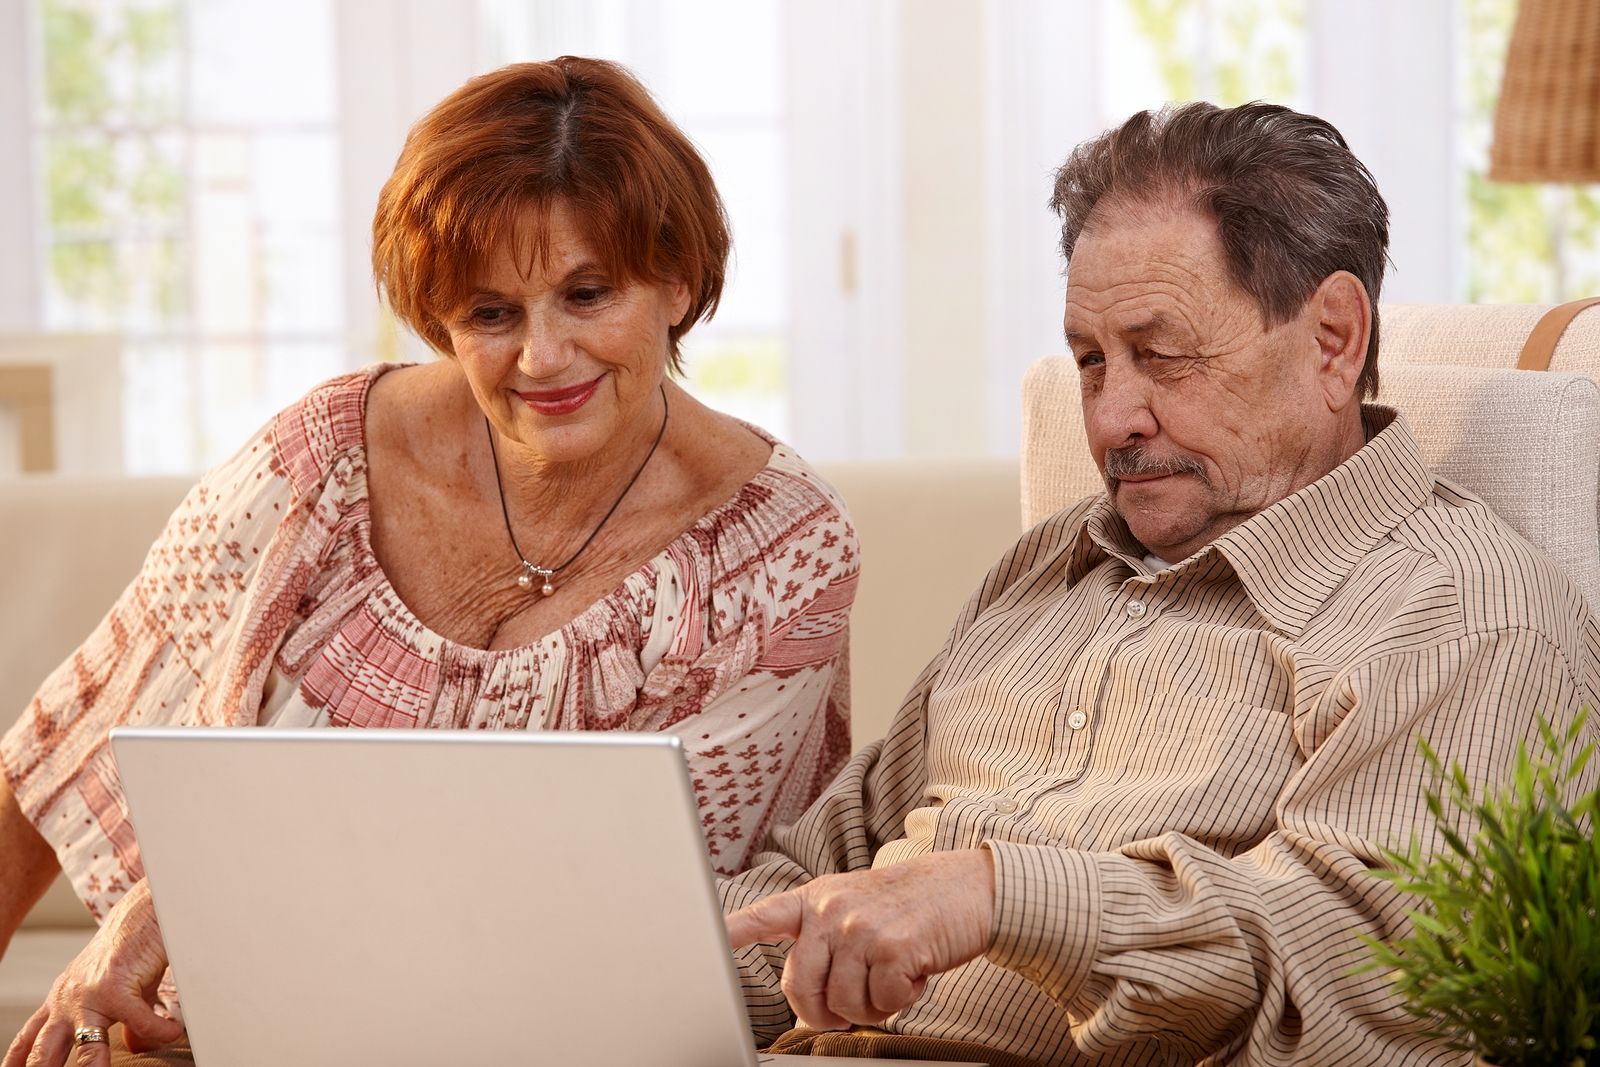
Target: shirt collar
{"type": "Point", "coordinates": [1292, 556]}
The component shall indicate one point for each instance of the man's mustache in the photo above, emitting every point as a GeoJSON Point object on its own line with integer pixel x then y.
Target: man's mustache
{"type": "Point", "coordinates": [1134, 461]}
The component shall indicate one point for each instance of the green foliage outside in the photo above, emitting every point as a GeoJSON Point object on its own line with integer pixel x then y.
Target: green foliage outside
{"type": "Point", "coordinates": [750, 366]}
{"type": "Point", "coordinates": [114, 186]}
{"type": "Point", "coordinates": [1242, 69]}
{"type": "Point", "coordinates": [1504, 957]}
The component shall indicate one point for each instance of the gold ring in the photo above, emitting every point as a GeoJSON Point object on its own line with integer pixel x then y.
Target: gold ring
{"type": "Point", "coordinates": [91, 1035]}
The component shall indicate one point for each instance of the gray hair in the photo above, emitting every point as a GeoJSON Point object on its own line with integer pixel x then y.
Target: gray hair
{"type": "Point", "coordinates": [1291, 202]}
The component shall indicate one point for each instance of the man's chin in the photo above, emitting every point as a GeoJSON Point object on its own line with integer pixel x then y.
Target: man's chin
{"type": "Point", "coordinates": [1150, 494]}
{"type": "Point", "coordinates": [1151, 515]}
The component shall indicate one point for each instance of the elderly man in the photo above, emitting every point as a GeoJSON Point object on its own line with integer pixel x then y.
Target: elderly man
{"type": "Point", "coordinates": [1129, 812]}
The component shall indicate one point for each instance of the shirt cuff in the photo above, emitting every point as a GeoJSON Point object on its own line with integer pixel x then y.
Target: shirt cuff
{"type": "Point", "coordinates": [1046, 915]}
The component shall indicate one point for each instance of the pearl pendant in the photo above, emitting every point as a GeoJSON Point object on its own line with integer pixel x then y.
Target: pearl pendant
{"type": "Point", "coordinates": [530, 572]}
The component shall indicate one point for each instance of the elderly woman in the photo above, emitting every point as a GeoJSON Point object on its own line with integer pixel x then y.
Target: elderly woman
{"type": "Point", "coordinates": [541, 531]}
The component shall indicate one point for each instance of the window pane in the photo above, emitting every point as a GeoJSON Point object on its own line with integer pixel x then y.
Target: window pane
{"type": "Point", "coordinates": [158, 397]}
{"type": "Point", "coordinates": [97, 184]}
{"type": "Point", "coordinates": [718, 59]}
{"type": "Point", "coordinates": [257, 63]}
{"type": "Point", "coordinates": [111, 63]}
{"type": "Point", "coordinates": [743, 375]}
{"type": "Point", "coordinates": [1525, 243]}
{"type": "Point", "coordinates": [1227, 53]}
{"type": "Point", "coordinates": [188, 166]}
{"type": "Point", "coordinates": [751, 172]}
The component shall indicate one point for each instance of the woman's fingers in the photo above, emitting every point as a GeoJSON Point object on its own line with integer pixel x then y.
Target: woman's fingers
{"type": "Point", "coordinates": [22, 1044]}
{"type": "Point", "coordinates": [109, 981]}
{"type": "Point", "coordinates": [52, 1046]}
{"type": "Point", "coordinates": [146, 1029]}
{"type": "Point", "coordinates": [90, 1053]}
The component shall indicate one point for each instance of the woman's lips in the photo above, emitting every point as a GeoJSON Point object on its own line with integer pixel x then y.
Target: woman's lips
{"type": "Point", "coordinates": [560, 401]}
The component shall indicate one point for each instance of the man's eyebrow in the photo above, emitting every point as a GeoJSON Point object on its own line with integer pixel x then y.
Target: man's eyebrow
{"type": "Point", "coordinates": [1154, 325]}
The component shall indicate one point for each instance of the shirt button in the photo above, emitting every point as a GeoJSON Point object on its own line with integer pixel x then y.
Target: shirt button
{"type": "Point", "coordinates": [1135, 609]}
{"type": "Point", "coordinates": [1005, 805]}
{"type": "Point", "coordinates": [1077, 719]}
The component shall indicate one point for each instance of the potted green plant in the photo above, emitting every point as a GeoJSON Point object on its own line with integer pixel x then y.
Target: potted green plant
{"type": "Point", "coordinates": [1504, 955]}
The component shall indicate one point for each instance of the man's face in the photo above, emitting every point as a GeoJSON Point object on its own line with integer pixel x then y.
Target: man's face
{"type": "Point", "coordinates": [1198, 415]}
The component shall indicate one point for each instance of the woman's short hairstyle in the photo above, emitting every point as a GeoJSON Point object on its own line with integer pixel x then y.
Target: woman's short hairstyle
{"type": "Point", "coordinates": [1291, 202]}
{"type": "Point", "coordinates": [580, 132]}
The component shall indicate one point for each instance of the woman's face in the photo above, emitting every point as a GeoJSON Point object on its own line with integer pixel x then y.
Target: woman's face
{"type": "Point", "coordinates": [563, 359]}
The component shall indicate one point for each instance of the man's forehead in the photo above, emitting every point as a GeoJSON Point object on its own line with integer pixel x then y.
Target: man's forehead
{"type": "Point", "coordinates": [1151, 318]}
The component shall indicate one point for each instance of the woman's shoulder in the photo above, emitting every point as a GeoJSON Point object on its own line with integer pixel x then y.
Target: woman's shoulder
{"type": "Point", "coordinates": [326, 425]}
{"type": "Point", "coordinates": [784, 513]}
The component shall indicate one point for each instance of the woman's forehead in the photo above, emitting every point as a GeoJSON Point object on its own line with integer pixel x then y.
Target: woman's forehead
{"type": "Point", "coordinates": [541, 243]}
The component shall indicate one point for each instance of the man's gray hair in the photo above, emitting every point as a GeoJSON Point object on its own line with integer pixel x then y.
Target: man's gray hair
{"type": "Point", "coordinates": [1291, 202]}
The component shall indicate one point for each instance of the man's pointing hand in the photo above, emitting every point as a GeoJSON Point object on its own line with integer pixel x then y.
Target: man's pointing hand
{"type": "Point", "coordinates": [865, 944]}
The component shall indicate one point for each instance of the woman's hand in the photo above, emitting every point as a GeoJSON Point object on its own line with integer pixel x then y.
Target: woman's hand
{"type": "Point", "coordinates": [114, 979]}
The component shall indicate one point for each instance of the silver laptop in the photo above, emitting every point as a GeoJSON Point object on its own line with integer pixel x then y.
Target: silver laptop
{"type": "Point", "coordinates": [430, 897]}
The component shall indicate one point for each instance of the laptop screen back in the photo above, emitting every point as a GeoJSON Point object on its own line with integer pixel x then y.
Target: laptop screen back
{"type": "Point", "coordinates": [428, 897]}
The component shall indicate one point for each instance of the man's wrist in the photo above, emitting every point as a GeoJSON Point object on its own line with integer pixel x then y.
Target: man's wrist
{"type": "Point", "coordinates": [1046, 917]}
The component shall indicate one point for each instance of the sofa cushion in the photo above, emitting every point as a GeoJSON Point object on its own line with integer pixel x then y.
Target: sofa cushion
{"type": "Point", "coordinates": [929, 531]}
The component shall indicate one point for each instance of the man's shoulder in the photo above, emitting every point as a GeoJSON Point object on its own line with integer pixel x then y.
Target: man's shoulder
{"type": "Point", "coordinates": [1458, 553]}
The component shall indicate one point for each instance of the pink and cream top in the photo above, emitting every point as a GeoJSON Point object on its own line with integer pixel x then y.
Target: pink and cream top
{"type": "Point", "coordinates": [262, 603]}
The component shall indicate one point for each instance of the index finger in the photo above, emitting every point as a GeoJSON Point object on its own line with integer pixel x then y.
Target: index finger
{"type": "Point", "coordinates": [775, 918]}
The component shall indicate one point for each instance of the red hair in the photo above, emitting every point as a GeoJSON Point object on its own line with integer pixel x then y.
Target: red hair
{"type": "Point", "coordinates": [582, 132]}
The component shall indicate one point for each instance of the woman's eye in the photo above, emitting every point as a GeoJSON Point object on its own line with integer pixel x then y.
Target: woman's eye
{"type": "Point", "coordinates": [492, 315]}
{"type": "Point", "coordinates": [585, 295]}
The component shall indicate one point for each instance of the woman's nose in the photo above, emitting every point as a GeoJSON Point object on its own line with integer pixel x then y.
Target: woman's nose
{"type": "Point", "coordinates": [546, 347]}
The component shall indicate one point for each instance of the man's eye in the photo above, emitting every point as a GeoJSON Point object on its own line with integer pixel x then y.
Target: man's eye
{"type": "Point", "coordinates": [1090, 359]}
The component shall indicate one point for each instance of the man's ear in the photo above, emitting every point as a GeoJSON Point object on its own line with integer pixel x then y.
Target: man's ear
{"type": "Point", "coordinates": [1342, 322]}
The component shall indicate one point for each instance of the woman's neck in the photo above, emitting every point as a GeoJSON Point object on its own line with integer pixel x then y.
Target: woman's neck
{"type": "Point", "coordinates": [554, 505]}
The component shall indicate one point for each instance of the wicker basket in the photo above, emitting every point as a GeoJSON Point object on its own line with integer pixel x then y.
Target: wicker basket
{"type": "Point", "coordinates": [1547, 126]}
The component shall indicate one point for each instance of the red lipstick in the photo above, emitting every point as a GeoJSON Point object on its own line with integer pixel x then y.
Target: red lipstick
{"type": "Point", "coordinates": [560, 401]}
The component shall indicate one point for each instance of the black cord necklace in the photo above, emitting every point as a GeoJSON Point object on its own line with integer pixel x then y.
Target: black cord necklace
{"type": "Point", "coordinates": [530, 571]}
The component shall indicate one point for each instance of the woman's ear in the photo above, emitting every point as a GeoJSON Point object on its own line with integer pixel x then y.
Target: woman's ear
{"type": "Point", "coordinates": [1343, 323]}
{"type": "Point", "coordinates": [679, 302]}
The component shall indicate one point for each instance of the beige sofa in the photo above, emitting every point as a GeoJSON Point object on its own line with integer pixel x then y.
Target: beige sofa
{"type": "Point", "coordinates": [928, 530]}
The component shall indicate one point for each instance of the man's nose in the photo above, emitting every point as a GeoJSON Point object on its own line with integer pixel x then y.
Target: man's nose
{"type": "Point", "coordinates": [1118, 411]}
{"type": "Point", "coordinates": [547, 348]}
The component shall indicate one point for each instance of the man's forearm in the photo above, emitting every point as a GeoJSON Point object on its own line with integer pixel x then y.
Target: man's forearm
{"type": "Point", "coordinates": [28, 868]}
